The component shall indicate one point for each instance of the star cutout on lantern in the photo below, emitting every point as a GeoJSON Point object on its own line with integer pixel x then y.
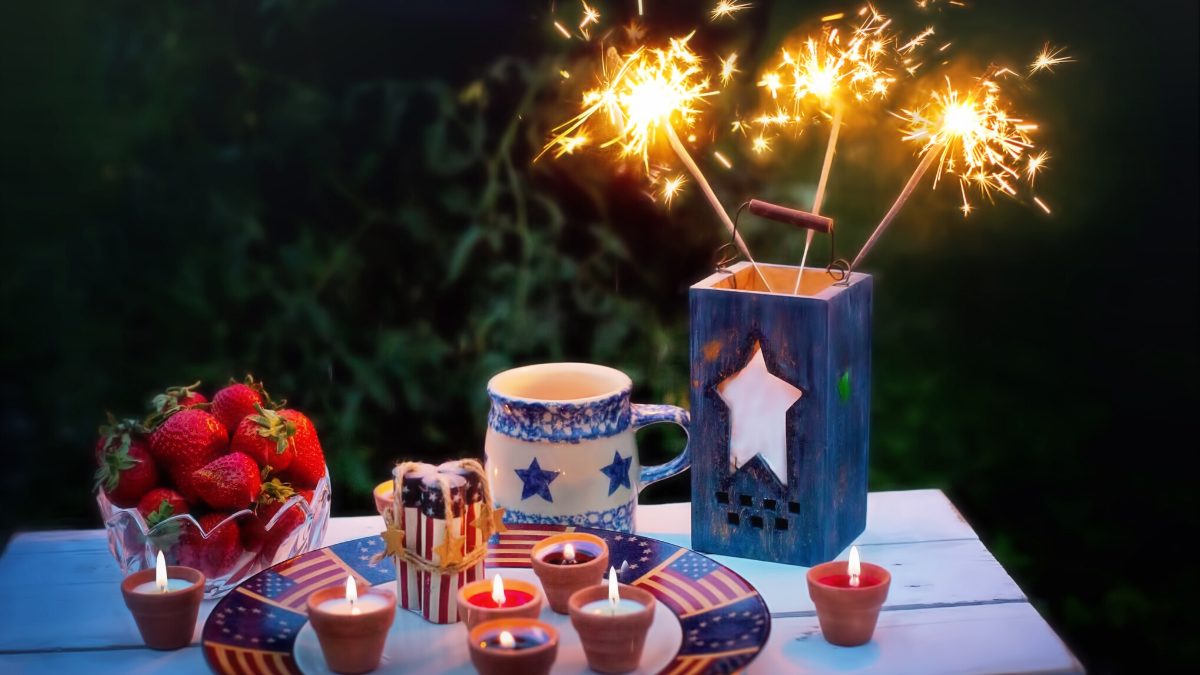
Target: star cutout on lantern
{"type": "Point", "coordinates": [536, 481]}
{"type": "Point", "coordinates": [449, 551]}
{"type": "Point", "coordinates": [758, 403]}
{"type": "Point", "coordinates": [618, 472]}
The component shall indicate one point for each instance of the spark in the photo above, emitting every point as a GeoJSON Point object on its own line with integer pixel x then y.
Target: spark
{"type": "Point", "coordinates": [729, 67]}
{"type": "Point", "coordinates": [590, 16]}
{"type": "Point", "coordinates": [635, 31]}
{"type": "Point", "coordinates": [840, 63]}
{"type": "Point", "coordinates": [832, 17]}
{"type": "Point", "coordinates": [565, 33]}
{"type": "Point", "coordinates": [721, 158]}
{"type": "Point", "coordinates": [761, 144]}
{"type": "Point", "coordinates": [640, 12]}
{"type": "Point", "coordinates": [1035, 164]}
{"type": "Point", "coordinates": [1042, 204]}
{"type": "Point", "coordinates": [671, 187]}
{"type": "Point", "coordinates": [1048, 58]}
{"type": "Point", "coordinates": [565, 75]}
{"type": "Point", "coordinates": [727, 8]}
{"type": "Point", "coordinates": [917, 41]}
{"type": "Point", "coordinates": [639, 95]}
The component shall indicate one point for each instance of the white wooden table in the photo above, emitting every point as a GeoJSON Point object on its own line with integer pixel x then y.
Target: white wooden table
{"type": "Point", "coordinates": [952, 608]}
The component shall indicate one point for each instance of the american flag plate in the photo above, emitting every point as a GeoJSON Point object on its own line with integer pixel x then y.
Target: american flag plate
{"type": "Point", "coordinates": [709, 620]}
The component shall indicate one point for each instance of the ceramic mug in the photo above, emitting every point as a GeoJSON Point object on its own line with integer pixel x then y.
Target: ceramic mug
{"type": "Point", "coordinates": [560, 446]}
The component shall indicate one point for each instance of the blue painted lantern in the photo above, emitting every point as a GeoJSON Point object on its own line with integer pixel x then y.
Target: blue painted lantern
{"type": "Point", "coordinates": [780, 402]}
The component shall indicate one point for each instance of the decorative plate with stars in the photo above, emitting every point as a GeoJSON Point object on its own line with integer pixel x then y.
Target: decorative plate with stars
{"type": "Point", "coordinates": [709, 620]}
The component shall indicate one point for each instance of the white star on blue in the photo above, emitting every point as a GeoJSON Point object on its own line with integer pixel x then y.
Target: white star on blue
{"type": "Point", "coordinates": [536, 481]}
{"type": "Point", "coordinates": [618, 472]}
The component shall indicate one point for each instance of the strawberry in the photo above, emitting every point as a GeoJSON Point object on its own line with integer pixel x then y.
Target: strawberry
{"type": "Point", "coordinates": [228, 482]}
{"type": "Point", "coordinates": [267, 438]}
{"type": "Point", "coordinates": [161, 503]}
{"type": "Point", "coordinates": [308, 467]}
{"type": "Point", "coordinates": [272, 498]}
{"type": "Point", "coordinates": [184, 442]}
{"type": "Point", "coordinates": [237, 400]}
{"type": "Point", "coordinates": [127, 471]}
{"type": "Point", "coordinates": [216, 554]}
{"type": "Point", "coordinates": [178, 397]}
{"type": "Point", "coordinates": [116, 433]}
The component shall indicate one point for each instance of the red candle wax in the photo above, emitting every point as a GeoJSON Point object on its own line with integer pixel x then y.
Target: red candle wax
{"type": "Point", "coordinates": [843, 581]}
{"type": "Point", "coordinates": [511, 599]}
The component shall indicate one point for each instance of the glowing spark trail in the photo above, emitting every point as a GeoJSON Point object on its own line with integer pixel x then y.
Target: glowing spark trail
{"type": "Point", "coordinates": [729, 67]}
{"type": "Point", "coordinates": [643, 94]}
{"type": "Point", "coordinates": [1048, 58]}
{"type": "Point", "coordinates": [727, 8]}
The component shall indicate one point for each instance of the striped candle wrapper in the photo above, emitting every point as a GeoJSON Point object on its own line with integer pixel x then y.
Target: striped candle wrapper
{"type": "Point", "coordinates": [408, 587]}
{"type": "Point", "coordinates": [436, 521]}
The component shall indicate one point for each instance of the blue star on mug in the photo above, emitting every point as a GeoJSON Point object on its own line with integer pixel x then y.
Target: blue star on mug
{"type": "Point", "coordinates": [618, 472]}
{"type": "Point", "coordinates": [536, 481]}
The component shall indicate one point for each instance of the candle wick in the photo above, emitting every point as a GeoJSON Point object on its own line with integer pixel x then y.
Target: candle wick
{"type": "Point", "coordinates": [854, 580]}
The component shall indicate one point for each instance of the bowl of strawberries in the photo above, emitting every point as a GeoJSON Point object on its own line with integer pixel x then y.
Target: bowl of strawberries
{"type": "Point", "coordinates": [229, 486]}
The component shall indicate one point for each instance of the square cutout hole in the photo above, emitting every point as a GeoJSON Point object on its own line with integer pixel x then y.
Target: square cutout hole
{"type": "Point", "coordinates": [756, 521]}
{"type": "Point", "coordinates": [769, 504]}
{"type": "Point", "coordinates": [794, 507]}
{"type": "Point", "coordinates": [746, 500]}
{"type": "Point", "coordinates": [722, 497]}
{"type": "Point", "coordinates": [781, 523]}
{"type": "Point", "coordinates": [734, 519]}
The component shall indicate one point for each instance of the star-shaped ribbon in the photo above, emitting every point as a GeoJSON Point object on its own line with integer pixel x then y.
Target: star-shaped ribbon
{"type": "Point", "coordinates": [393, 535]}
{"type": "Point", "coordinates": [449, 551]}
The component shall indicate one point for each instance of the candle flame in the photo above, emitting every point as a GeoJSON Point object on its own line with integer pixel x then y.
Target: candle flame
{"type": "Point", "coordinates": [614, 596]}
{"type": "Point", "coordinates": [498, 590]}
{"type": "Point", "coordinates": [506, 638]}
{"type": "Point", "coordinates": [855, 567]}
{"type": "Point", "coordinates": [569, 552]}
{"type": "Point", "coordinates": [160, 573]}
{"type": "Point", "coordinates": [351, 590]}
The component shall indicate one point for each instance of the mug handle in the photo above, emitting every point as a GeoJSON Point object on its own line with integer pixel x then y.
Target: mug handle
{"type": "Point", "coordinates": [645, 414]}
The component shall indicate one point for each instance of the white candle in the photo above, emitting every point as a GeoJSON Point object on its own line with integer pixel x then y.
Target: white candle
{"type": "Point", "coordinates": [161, 583]}
{"type": "Point", "coordinates": [854, 567]}
{"type": "Point", "coordinates": [353, 604]}
{"type": "Point", "coordinates": [615, 605]}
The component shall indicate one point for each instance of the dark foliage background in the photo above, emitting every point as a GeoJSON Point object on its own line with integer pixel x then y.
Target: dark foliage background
{"type": "Point", "coordinates": [340, 198]}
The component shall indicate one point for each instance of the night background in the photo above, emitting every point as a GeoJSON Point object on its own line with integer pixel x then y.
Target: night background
{"type": "Point", "coordinates": [340, 198]}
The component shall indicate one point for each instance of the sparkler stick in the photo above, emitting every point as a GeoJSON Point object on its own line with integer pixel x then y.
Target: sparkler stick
{"type": "Point", "coordinates": [909, 187]}
{"type": "Point", "coordinates": [838, 108]}
{"type": "Point", "coordinates": [690, 164]}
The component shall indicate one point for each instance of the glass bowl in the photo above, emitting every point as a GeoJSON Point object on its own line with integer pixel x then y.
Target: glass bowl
{"type": "Point", "coordinates": [230, 551]}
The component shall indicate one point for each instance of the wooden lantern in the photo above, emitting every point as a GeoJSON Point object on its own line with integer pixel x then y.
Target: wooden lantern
{"type": "Point", "coordinates": [803, 498]}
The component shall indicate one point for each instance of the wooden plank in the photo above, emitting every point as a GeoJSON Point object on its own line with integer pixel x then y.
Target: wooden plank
{"type": "Point", "coordinates": [964, 640]}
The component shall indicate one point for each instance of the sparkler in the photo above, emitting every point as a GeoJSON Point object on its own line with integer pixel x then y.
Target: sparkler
{"type": "Point", "coordinates": [642, 94]}
{"type": "Point", "coordinates": [972, 136]}
{"type": "Point", "coordinates": [828, 72]}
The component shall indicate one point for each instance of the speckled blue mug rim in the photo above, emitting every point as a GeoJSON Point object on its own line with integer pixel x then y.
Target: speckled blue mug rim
{"type": "Point", "coordinates": [570, 420]}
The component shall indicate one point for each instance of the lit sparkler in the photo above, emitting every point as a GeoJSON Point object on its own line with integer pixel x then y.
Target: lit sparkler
{"type": "Point", "coordinates": [641, 96]}
{"type": "Point", "coordinates": [829, 71]}
{"type": "Point", "coordinates": [973, 137]}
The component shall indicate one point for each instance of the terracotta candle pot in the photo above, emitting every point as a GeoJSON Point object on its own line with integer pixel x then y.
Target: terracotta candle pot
{"type": "Point", "coordinates": [166, 620]}
{"type": "Point", "coordinates": [848, 614]}
{"type": "Point", "coordinates": [559, 579]}
{"type": "Point", "coordinates": [477, 604]}
{"type": "Point", "coordinates": [612, 642]}
{"type": "Point", "coordinates": [529, 648]}
{"type": "Point", "coordinates": [351, 642]}
{"type": "Point", "coordinates": [383, 496]}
